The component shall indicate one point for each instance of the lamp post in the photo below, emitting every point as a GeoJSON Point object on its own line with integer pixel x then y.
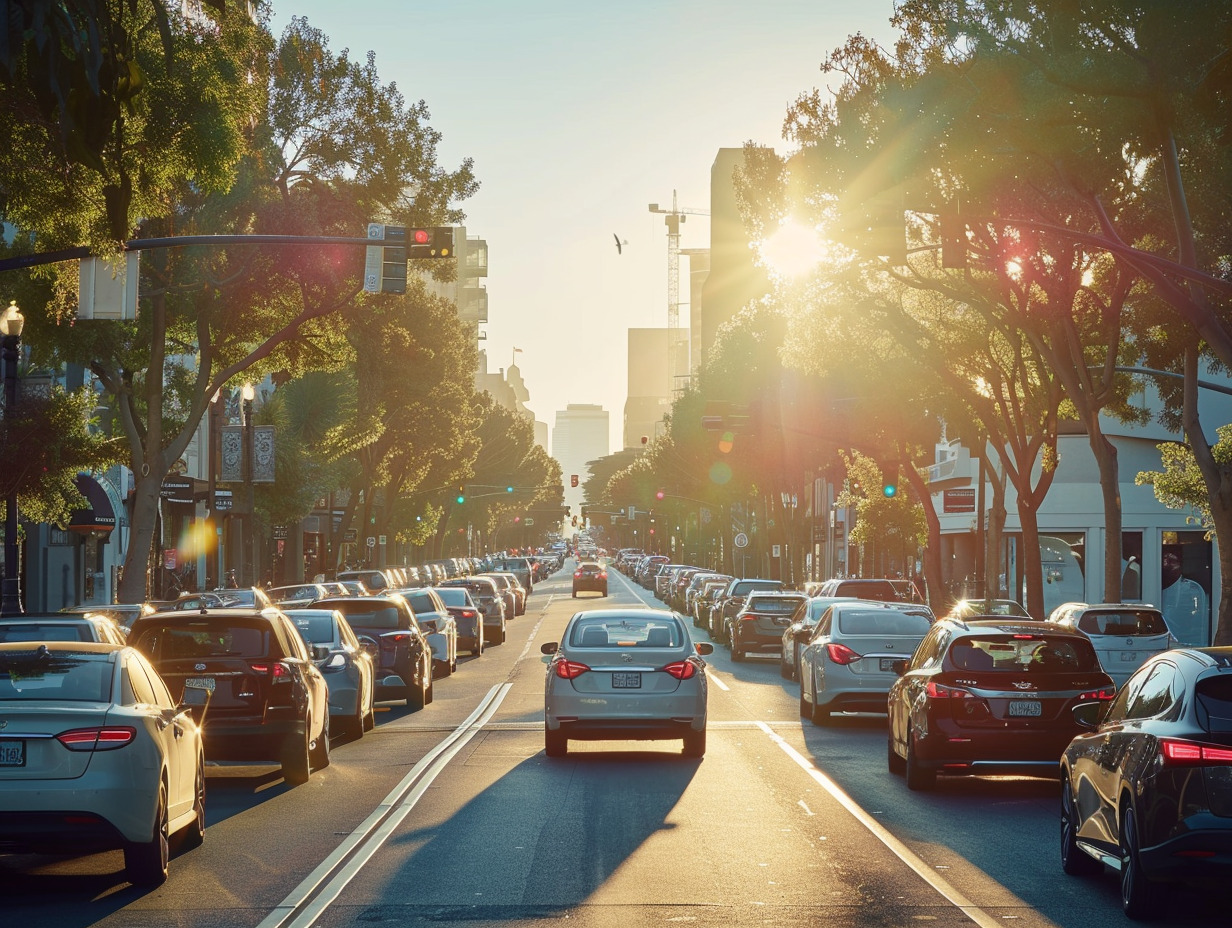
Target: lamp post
{"type": "Point", "coordinates": [11, 322]}
{"type": "Point", "coordinates": [249, 565]}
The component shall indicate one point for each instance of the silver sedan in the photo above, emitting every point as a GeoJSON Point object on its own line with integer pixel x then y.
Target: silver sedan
{"type": "Point", "coordinates": [622, 674]}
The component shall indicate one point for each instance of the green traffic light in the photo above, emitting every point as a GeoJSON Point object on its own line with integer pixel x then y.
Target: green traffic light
{"type": "Point", "coordinates": [461, 498]}
{"type": "Point", "coordinates": [508, 489]}
{"type": "Point", "coordinates": [889, 490]}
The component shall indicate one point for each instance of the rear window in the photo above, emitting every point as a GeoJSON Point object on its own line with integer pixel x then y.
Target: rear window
{"type": "Point", "coordinates": [1213, 696]}
{"type": "Point", "coordinates": [1019, 653]}
{"type": "Point", "coordinates": [314, 629]}
{"type": "Point", "coordinates": [60, 675]}
{"type": "Point", "coordinates": [454, 596]}
{"type": "Point", "coordinates": [1128, 623]}
{"type": "Point", "coordinates": [882, 622]}
{"type": "Point", "coordinates": [34, 632]}
{"type": "Point", "coordinates": [880, 590]}
{"type": "Point", "coordinates": [773, 604]}
{"type": "Point", "coordinates": [378, 617]}
{"type": "Point", "coordinates": [744, 587]}
{"type": "Point", "coordinates": [421, 602]}
{"type": "Point", "coordinates": [626, 632]}
{"type": "Point", "coordinates": [201, 640]}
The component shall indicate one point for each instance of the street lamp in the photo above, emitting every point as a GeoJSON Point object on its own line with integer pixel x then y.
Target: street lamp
{"type": "Point", "coordinates": [11, 323]}
{"type": "Point", "coordinates": [248, 393]}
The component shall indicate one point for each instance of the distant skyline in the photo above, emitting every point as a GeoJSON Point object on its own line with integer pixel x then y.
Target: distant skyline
{"type": "Point", "coordinates": [578, 115]}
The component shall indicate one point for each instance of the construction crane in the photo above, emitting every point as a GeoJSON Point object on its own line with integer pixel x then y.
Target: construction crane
{"type": "Point", "coordinates": [672, 218]}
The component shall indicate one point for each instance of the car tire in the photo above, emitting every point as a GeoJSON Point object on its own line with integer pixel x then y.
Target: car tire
{"type": "Point", "coordinates": [145, 862]}
{"type": "Point", "coordinates": [431, 692]}
{"type": "Point", "coordinates": [477, 650]}
{"type": "Point", "coordinates": [195, 834]}
{"type": "Point", "coordinates": [694, 744]}
{"type": "Point", "coordinates": [370, 718]}
{"type": "Point", "coordinates": [806, 708]}
{"type": "Point", "coordinates": [894, 763]}
{"type": "Point", "coordinates": [786, 669]}
{"type": "Point", "coordinates": [1140, 896]}
{"type": "Point", "coordinates": [318, 754]}
{"type": "Point", "coordinates": [555, 744]}
{"type": "Point", "coordinates": [737, 652]}
{"type": "Point", "coordinates": [1074, 860]}
{"type": "Point", "coordinates": [444, 667]}
{"type": "Point", "coordinates": [296, 766]}
{"type": "Point", "coordinates": [918, 778]}
{"type": "Point", "coordinates": [820, 714]}
{"type": "Point", "coordinates": [417, 698]}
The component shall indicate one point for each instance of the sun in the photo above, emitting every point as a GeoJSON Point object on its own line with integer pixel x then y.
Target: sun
{"type": "Point", "coordinates": [793, 249]}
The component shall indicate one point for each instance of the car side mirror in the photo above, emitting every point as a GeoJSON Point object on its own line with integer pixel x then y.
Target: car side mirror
{"type": "Point", "coordinates": [319, 652]}
{"type": "Point", "coordinates": [704, 647]}
{"type": "Point", "coordinates": [195, 700]}
{"type": "Point", "coordinates": [1087, 715]}
{"type": "Point", "coordinates": [550, 647]}
{"type": "Point", "coordinates": [899, 667]}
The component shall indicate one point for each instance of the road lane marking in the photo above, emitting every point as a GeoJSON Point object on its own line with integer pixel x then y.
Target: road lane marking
{"type": "Point", "coordinates": [308, 901]}
{"type": "Point", "coordinates": [713, 678]}
{"type": "Point", "coordinates": [882, 834]}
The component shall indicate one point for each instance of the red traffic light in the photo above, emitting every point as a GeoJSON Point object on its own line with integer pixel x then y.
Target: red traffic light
{"type": "Point", "coordinates": [659, 494]}
{"type": "Point", "coordinates": [421, 236]}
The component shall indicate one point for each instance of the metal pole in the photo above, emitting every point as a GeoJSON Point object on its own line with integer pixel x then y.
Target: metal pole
{"type": "Point", "coordinates": [250, 516]}
{"type": "Point", "coordinates": [10, 602]}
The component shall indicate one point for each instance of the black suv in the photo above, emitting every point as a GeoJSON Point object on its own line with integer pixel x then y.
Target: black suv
{"type": "Point", "coordinates": [758, 626]}
{"type": "Point", "coordinates": [270, 702]}
{"type": "Point", "coordinates": [386, 626]}
{"type": "Point", "coordinates": [728, 603]}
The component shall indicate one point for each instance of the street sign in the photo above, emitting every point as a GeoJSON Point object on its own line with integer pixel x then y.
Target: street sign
{"type": "Point", "coordinates": [371, 541]}
{"type": "Point", "coordinates": [775, 551]}
{"type": "Point", "coordinates": [528, 521]}
{"type": "Point", "coordinates": [381, 540]}
{"type": "Point", "coordinates": [741, 540]}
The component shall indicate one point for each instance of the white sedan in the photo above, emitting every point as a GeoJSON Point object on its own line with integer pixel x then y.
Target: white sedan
{"type": "Point", "coordinates": [95, 755]}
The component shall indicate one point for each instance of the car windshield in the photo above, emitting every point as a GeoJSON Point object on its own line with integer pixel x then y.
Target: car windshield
{"type": "Point", "coordinates": [1128, 623]}
{"type": "Point", "coordinates": [314, 627]}
{"type": "Point", "coordinates": [58, 675]}
{"type": "Point", "coordinates": [882, 622]}
{"type": "Point", "coordinates": [1019, 653]}
{"type": "Point", "coordinates": [197, 640]}
{"type": "Point", "coordinates": [625, 632]}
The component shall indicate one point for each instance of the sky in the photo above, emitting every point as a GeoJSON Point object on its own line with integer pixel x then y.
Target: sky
{"type": "Point", "coordinates": [578, 115]}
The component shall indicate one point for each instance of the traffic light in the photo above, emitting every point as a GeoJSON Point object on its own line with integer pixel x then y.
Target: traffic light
{"type": "Point", "coordinates": [508, 489]}
{"type": "Point", "coordinates": [573, 480]}
{"type": "Point", "coordinates": [889, 490]}
{"type": "Point", "coordinates": [659, 494]}
{"type": "Point", "coordinates": [431, 242]}
{"type": "Point", "coordinates": [461, 498]}
{"type": "Point", "coordinates": [385, 265]}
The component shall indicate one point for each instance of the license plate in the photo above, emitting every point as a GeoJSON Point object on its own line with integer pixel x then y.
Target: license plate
{"type": "Point", "coordinates": [1129, 656]}
{"type": "Point", "coordinates": [1025, 707]}
{"type": "Point", "coordinates": [887, 664]}
{"type": "Point", "coordinates": [204, 683]}
{"type": "Point", "coordinates": [624, 680]}
{"type": "Point", "coordinates": [12, 753]}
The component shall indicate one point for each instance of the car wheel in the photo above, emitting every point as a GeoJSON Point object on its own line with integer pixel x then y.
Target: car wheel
{"type": "Point", "coordinates": [1073, 860]}
{"type": "Point", "coordinates": [820, 714]}
{"type": "Point", "coordinates": [441, 668]}
{"type": "Point", "coordinates": [555, 744]}
{"type": "Point", "coordinates": [417, 698]}
{"type": "Point", "coordinates": [145, 862]}
{"type": "Point", "coordinates": [500, 634]}
{"type": "Point", "coordinates": [786, 671]}
{"type": "Point", "coordinates": [575, 594]}
{"type": "Point", "coordinates": [318, 754]}
{"type": "Point", "coordinates": [430, 692]}
{"type": "Point", "coordinates": [295, 763]}
{"type": "Point", "coordinates": [477, 650]}
{"type": "Point", "coordinates": [1140, 896]}
{"type": "Point", "coordinates": [737, 652]}
{"type": "Point", "coordinates": [194, 834]}
{"type": "Point", "coordinates": [806, 708]}
{"type": "Point", "coordinates": [894, 763]}
{"type": "Point", "coordinates": [370, 717]}
{"type": "Point", "coordinates": [694, 744]}
{"type": "Point", "coordinates": [918, 778]}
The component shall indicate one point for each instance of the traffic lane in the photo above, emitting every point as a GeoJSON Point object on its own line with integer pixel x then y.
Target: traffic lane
{"type": "Point", "coordinates": [262, 837]}
{"type": "Point", "coordinates": [623, 833]}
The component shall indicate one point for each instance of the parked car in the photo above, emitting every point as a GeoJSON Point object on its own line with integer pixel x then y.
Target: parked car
{"type": "Point", "coordinates": [880, 589]}
{"type": "Point", "coordinates": [1146, 786]}
{"type": "Point", "coordinates": [297, 594]}
{"type": "Point", "coordinates": [349, 669]}
{"type": "Point", "coordinates": [521, 568]}
{"type": "Point", "coordinates": [990, 696]}
{"type": "Point", "coordinates": [758, 627]}
{"type": "Point", "coordinates": [730, 601]}
{"type": "Point", "coordinates": [439, 626]}
{"type": "Point", "coordinates": [270, 701]}
{"type": "Point", "coordinates": [625, 674]}
{"type": "Point", "coordinates": [250, 598]}
{"type": "Point", "coordinates": [403, 656]}
{"type": "Point", "coordinates": [375, 581]}
{"type": "Point", "coordinates": [466, 614]}
{"type": "Point", "coordinates": [60, 627]}
{"type": "Point", "coordinates": [489, 602]}
{"type": "Point", "coordinates": [590, 576]}
{"type": "Point", "coordinates": [848, 664]}
{"type": "Point", "coordinates": [1124, 634]}
{"type": "Point", "coordinates": [515, 585]}
{"type": "Point", "coordinates": [703, 599]}
{"type": "Point", "coordinates": [98, 755]}
{"type": "Point", "coordinates": [796, 635]}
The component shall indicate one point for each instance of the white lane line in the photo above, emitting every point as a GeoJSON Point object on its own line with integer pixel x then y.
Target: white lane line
{"type": "Point", "coordinates": [716, 681]}
{"type": "Point", "coordinates": [313, 896]}
{"type": "Point", "coordinates": [900, 850]}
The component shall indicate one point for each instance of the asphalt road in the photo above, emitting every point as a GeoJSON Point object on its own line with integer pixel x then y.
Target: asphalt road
{"type": "Point", "coordinates": [454, 815]}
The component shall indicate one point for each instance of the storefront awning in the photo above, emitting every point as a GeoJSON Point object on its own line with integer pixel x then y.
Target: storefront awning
{"type": "Point", "coordinates": [99, 515]}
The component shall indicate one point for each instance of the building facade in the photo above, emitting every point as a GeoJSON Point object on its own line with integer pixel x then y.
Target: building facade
{"type": "Point", "coordinates": [579, 435]}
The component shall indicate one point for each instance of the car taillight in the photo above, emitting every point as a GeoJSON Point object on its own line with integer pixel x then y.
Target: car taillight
{"type": "Point", "coordinates": [279, 672]}
{"type": "Point", "coordinates": [681, 670]}
{"type": "Point", "coordinates": [577, 573]}
{"type": "Point", "coordinates": [841, 654]}
{"type": "Point", "coordinates": [1193, 752]}
{"type": "Point", "coordinates": [603, 575]}
{"type": "Point", "coordinates": [940, 691]}
{"type": "Point", "coordinates": [1097, 695]}
{"type": "Point", "coordinates": [469, 614]}
{"type": "Point", "coordinates": [568, 670]}
{"type": "Point", "coordinates": [96, 739]}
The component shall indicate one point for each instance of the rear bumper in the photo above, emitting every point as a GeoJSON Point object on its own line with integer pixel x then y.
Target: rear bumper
{"type": "Point", "coordinates": [55, 818]}
{"type": "Point", "coordinates": [249, 741]}
{"type": "Point", "coordinates": [1203, 855]}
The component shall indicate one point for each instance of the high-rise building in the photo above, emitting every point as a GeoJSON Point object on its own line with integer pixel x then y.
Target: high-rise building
{"type": "Point", "coordinates": [649, 396]}
{"type": "Point", "coordinates": [580, 435]}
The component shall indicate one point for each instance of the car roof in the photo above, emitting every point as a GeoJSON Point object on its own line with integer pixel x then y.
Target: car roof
{"type": "Point", "coordinates": [627, 612]}
{"type": "Point", "coordinates": [1015, 627]}
{"type": "Point", "coordinates": [88, 647]}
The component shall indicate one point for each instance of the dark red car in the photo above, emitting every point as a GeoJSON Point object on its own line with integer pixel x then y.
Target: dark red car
{"type": "Point", "coordinates": [990, 696]}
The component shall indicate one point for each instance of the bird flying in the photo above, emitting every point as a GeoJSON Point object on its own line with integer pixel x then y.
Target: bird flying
{"type": "Point", "coordinates": [619, 244]}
